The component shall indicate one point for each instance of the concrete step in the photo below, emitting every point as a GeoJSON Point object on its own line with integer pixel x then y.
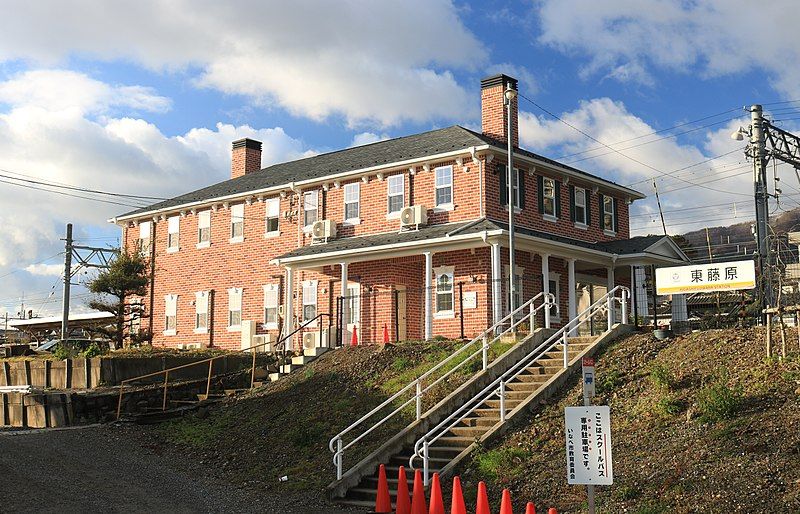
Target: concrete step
{"type": "Point", "coordinates": [316, 351]}
{"type": "Point", "coordinates": [203, 397]}
{"type": "Point", "coordinates": [257, 384]}
{"type": "Point", "coordinates": [522, 386]}
{"type": "Point", "coordinates": [481, 421]}
{"type": "Point", "coordinates": [517, 395]}
{"type": "Point", "coordinates": [302, 360]}
{"type": "Point", "coordinates": [495, 404]}
{"type": "Point", "coordinates": [234, 392]}
{"type": "Point", "coordinates": [533, 376]}
{"type": "Point", "coordinates": [473, 432]}
{"type": "Point", "coordinates": [453, 441]}
{"type": "Point", "coordinates": [276, 376]}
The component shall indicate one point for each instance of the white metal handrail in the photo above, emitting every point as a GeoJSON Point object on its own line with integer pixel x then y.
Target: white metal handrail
{"type": "Point", "coordinates": [498, 387]}
{"type": "Point", "coordinates": [336, 444]}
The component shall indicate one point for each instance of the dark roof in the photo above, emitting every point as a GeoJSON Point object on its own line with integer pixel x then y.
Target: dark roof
{"type": "Point", "coordinates": [627, 246]}
{"type": "Point", "coordinates": [350, 159]}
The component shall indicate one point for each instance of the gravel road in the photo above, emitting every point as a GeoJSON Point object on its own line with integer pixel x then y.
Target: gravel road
{"type": "Point", "coordinates": [97, 469]}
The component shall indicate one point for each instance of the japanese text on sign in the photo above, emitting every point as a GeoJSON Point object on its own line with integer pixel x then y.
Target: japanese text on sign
{"type": "Point", "coordinates": [723, 276]}
{"type": "Point", "coordinates": [588, 432]}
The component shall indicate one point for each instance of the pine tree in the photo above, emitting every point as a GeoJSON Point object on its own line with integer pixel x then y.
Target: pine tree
{"type": "Point", "coordinates": [127, 276]}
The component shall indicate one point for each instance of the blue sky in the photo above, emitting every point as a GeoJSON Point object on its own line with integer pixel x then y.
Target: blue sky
{"type": "Point", "coordinates": [144, 98]}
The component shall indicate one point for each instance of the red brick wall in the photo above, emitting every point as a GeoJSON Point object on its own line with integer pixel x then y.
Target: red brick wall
{"type": "Point", "coordinates": [494, 118]}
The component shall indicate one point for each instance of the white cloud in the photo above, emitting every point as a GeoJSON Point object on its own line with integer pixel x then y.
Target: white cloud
{"type": "Point", "coordinates": [611, 123]}
{"type": "Point", "coordinates": [370, 62]}
{"type": "Point", "coordinates": [48, 270]}
{"type": "Point", "coordinates": [626, 38]}
{"type": "Point", "coordinates": [59, 141]}
{"type": "Point", "coordinates": [365, 138]}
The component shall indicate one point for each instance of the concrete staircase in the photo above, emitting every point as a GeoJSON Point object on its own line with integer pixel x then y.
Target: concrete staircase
{"type": "Point", "coordinates": [457, 442]}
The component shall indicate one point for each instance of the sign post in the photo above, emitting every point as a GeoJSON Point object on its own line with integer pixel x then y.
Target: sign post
{"type": "Point", "coordinates": [588, 438]}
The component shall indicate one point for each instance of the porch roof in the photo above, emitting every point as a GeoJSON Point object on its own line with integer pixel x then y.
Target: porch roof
{"type": "Point", "coordinates": [653, 249]}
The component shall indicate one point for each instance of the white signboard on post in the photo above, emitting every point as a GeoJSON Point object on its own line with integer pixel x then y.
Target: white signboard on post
{"type": "Point", "coordinates": [706, 278]}
{"type": "Point", "coordinates": [588, 431]}
{"type": "Point", "coordinates": [587, 366]}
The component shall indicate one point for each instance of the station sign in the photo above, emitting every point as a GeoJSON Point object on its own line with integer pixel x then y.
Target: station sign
{"type": "Point", "coordinates": [706, 278]}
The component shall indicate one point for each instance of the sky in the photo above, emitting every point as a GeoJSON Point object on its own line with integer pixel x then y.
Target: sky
{"type": "Point", "coordinates": [144, 98]}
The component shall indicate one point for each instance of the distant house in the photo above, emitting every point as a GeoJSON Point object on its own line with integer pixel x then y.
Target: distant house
{"type": "Point", "coordinates": [411, 232]}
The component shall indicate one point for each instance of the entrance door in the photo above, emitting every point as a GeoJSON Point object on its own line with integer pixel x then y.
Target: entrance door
{"type": "Point", "coordinates": [353, 313]}
{"type": "Point", "coordinates": [401, 312]}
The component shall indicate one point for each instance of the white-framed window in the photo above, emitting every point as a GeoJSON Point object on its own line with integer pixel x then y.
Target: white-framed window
{"type": "Point", "coordinates": [170, 314]}
{"type": "Point", "coordinates": [444, 291]}
{"type": "Point", "coordinates": [271, 306]}
{"type": "Point", "coordinates": [518, 293]}
{"type": "Point", "coordinates": [549, 197]}
{"type": "Point", "coordinates": [173, 233]}
{"type": "Point", "coordinates": [351, 202]}
{"type": "Point", "coordinates": [553, 285]}
{"type": "Point", "coordinates": [609, 223]}
{"type": "Point", "coordinates": [516, 189]}
{"type": "Point", "coordinates": [444, 187]}
{"type": "Point", "coordinates": [309, 300]}
{"type": "Point", "coordinates": [237, 223]}
{"type": "Point", "coordinates": [395, 193]}
{"type": "Point", "coordinates": [310, 203]}
{"type": "Point", "coordinates": [273, 214]}
{"type": "Point", "coordinates": [201, 312]}
{"type": "Point", "coordinates": [234, 308]}
{"type": "Point", "coordinates": [143, 244]}
{"type": "Point", "coordinates": [353, 304]}
{"type": "Point", "coordinates": [580, 206]}
{"type": "Point", "coordinates": [203, 229]}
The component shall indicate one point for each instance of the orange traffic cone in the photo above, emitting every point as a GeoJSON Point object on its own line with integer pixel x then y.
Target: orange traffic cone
{"type": "Point", "coordinates": [457, 505]}
{"type": "Point", "coordinates": [402, 502]}
{"type": "Point", "coordinates": [530, 509]}
{"type": "Point", "coordinates": [505, 503]}
{"type": "Point", "coordinates": [385, 334]}
{"type": "Point", "coordinates": [383, 505]}
{"type": "Point", "coordinates": [354, 338]}
{"type": "Point", "coordinates": [552, 510]}
{"type": "Point", "coordinates": [483, 500]}
{"type": "Point", "coordinates": [437, 503]}
{"type": "Point", "coordinates": [418, 497]}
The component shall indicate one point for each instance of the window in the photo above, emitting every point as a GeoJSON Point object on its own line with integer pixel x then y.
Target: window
{"type": "Point", "coordinates": [553, 280]}
{"type": "Point", "coordinates": [273, 210]}
{"type": "Point", "coordinates": [580, 209]}
{"type": "Point", "coordinates": [271, 306]}
{"type": "Point", "coordinates": [203, 229]}
{"type": "Point", "coordinates": [201, 312]}
{"type": "Point", "coordinates": [395, 192]}
{"type": "Point", "coordinates": [444, 187]}
{"type": "Point", "coordinates": [444, 291]}
{"type": "Point", "coordinates": [143, 243]}
{"type": "Point", "coordinates": [351, 193]}
{"type": "Point", "coordinates": [309, 300]}
{"type": "Point", "coordinates": [353, 303]}
{"type": "Point", "coordinates": [170, 314]}
{"type": "Point", "coordinates": [173, 224]}
{"type": "Point", "coordinates": [609, 213]}
{"type": "Point", "coordinates": [548, 194]}
{"type": "Point", "coordinates": [309, 208]}
{"type": "Point", "coordinates": [519, 187]}
{"type": "Point", "coordinates": [234, 308]}
{"type": "Point", "coordinates": [237, 223]}
{"type": "Point", "coordinates": [517, 287]}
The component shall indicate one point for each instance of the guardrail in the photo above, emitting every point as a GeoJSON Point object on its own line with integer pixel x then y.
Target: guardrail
{"type": "Point", "coordinates": [526, 311]}
{"type": "Point", "coordinates": [498, 387]}
{"type": "Point", "coordinates": [280, 345]}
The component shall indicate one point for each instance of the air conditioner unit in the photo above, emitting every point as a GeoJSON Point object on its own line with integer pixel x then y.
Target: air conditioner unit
{"type": "Point", "coordinates": [311, 339]}
{"type": "Point", "coordinates": [323, 230]}
{"type": "Point", "coordinates": [267, 340]}
{"type": "Point", "coordinates": [189, 346]}
{"type": "Point", "coordinates": [413, 216]}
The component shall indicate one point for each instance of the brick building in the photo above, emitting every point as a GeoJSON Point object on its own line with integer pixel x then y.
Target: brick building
{"type": "Point", "coordinates": [411, 232]}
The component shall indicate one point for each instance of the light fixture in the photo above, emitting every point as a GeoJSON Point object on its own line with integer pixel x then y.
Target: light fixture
{"type": "Point", "coordinates": [739, 134]}
{"type": "Point", "coordinates": [510, 94]}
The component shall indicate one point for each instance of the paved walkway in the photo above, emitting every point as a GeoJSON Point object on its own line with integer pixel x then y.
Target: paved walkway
{"type": "Point", "coordinates": [96, 469]}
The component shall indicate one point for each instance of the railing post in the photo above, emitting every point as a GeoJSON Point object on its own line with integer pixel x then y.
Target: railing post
{"type": "Point", "coordinates": [164, 401]}
{"type": "Point", "coordinates": [119, 401]}
{"type": "Point", "coordinates": [339, 459]}
{"type": "Point", "coordinates": [610, 308]}
{"type": "Point", "coordinates": [532, 317]}
{"type": "Point", "coordinates": [565, 344]}
{"type": "Point", "coordinates": [502, 402]}
{"type": "Point", "coordinates": [419, 399]}
{"type": "Point", "coordinates": [624, 306]}
{"type": "Point", "coordinates": [208, 380]}
{"type": "Point", "coordinates": [425, 467]}
{"type": "Point", "coordinates": [253, 369]}
{"type": "Point", "coordinates": [547, 313]}
{"type": "Point", "coordinates": [485, 351]}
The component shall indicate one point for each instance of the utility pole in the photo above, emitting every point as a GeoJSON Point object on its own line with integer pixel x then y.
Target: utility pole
{"type": "Point", "coordinates": [660, 212]}
{"type": "Point", "coordinates": [759, 149]}
{"type": "Point", "coordinates": [509, 96]}
{"type": "Point", "coordinates": [67, 280]}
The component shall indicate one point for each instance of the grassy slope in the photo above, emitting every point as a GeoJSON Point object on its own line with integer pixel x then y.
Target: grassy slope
{"type": "Point", "coordinates": [700, 424]}
{"type": "Point", "coordinates": [284, 428]}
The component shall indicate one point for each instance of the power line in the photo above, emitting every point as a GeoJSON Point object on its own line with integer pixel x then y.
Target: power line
{"type": "Point", "coordinates": [70, 194]}
{"type": "Point", "coordinates": [62, 185]}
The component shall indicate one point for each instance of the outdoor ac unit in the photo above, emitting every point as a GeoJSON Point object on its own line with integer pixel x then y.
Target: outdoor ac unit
{"type": "Point", "coordinates": [266, 340]}
{"type": "Point", "coordinates": [323, 230]}
{"type": "Point", "coordinates": [311, 339]}
{"type": "Point", "coordinates": [189, 346]}
{"type": "Point", "coordinates": [413, 216]}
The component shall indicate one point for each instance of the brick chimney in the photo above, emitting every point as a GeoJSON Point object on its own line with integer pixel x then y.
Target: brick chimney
{"type": "Point", "coordinates": [245, 157]}
{"type": "Point", "coordinates": [494, 120]}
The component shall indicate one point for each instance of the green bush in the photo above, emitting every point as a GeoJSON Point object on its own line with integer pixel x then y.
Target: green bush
{"type": "Point", "coordinates": [661, 377]}
{"type": "Point", "coordinates": [718, 401]}
{"type": "Point", "coordinates": [93, 350]}
{"type": "Point", "coordinates": [60, 352]}
{"type": "Point", "coordinates": [501, 463]}
{"type": "Point", "coordinates": [608, 381]}
{"type": "Point", "coordinates": [668, 406]}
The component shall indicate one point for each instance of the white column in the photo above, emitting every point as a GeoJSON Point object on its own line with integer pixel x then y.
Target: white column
{"type": "Point", "coordinates": [497, 292]}
{"type": "Point", "coordinates": [343, 294]}
{"type": "Point", "coordinates": [546, 285]}
{"type": "Point", "coordinates": [428, 293]}
{"type": "Point", "coordinates": [288, 307]}
{"type": "Point", "coordinates": [679, 312]}
{"type": "Point", "coordinates": [610, 286]}
{"type": "Point", "coordinates": [572, 301]}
